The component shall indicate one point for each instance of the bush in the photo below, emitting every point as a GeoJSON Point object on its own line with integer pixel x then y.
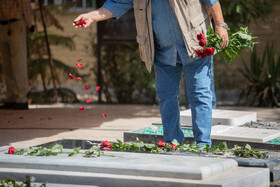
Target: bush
{"type": "Point", "coordinates": [264, 77]}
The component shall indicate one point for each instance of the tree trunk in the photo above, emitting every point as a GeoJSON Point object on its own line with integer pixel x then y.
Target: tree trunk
{"type": "Point", "coordinates": [49, 51]}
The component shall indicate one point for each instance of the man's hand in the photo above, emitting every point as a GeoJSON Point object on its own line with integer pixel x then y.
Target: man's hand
{"type": "Point", "coordinates": [85, 18]}
{"type": "Point", "coordinates": [222, 32]}
{"type": "Point", "coordinates": [93, 17]}
{"type": "Point", "coordinates": [216, 12]}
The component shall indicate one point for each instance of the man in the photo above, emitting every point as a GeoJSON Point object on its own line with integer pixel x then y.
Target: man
{"type": "Point", "coordinates": [15, 19]}
{"type": "Point", "coordinates": [166, 34]}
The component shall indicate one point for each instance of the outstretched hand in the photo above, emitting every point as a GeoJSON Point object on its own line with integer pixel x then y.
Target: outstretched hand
{"type": "Point", "coordinates": [83, 21]}
{"type": "Point", "coordinates": [222, 32]}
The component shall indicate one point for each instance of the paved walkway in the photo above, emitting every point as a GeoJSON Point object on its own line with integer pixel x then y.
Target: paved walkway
{"type": "Point", "coordinates": [45, 123]}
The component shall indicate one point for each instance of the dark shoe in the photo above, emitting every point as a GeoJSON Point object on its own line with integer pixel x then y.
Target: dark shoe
{"type": "Point", "coordinates": [20, 106]}
{"type": "Point", "coordinates": [7, 106]}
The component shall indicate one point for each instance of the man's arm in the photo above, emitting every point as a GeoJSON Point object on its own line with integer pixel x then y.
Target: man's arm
{"type": "Point", "coordinates": [110, 9]}
{"type": "Point", "coordinates": [215, 11]}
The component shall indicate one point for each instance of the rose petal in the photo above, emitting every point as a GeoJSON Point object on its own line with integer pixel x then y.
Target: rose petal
{"type": "Point", "coordinates": [86, 87]}
{"type": "Point", "coordinates": [79, 60]}
{"type": "Point", "coordinates": [89, 100]}
{"type": "Point", "coordinates": [82, 108]}
{"type": "Point", "coordinates": [78, 78]}
{"type": "Point", "coordinates": [71, 76]}
{"type": "Point", "coordinates": [104, 115]}
{"type": "Point", "coordinates": [79, 65]}
{"type": "Point", "coordinates": [97, 88]}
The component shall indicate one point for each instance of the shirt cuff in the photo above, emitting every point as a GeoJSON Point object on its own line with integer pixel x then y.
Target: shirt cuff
{"type": "Point", "coordinates": [209, 3]}
{"type": "Point", "coordinates": [114, 10]}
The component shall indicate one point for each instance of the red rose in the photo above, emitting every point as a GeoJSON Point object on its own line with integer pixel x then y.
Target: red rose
{"type": "Point", "coordinates": [173, 145]}
{"type": "Point", "coordinates": [200, 36]}
{"type": "Point", "coordinates": [105, 144]}
{"type": "Point", "coordinates": [202, 42]}
{"type": "Point", "coordinates": [209, 51]}
{"type": "Point", "coordinates": [161, 143]}
{"type": "Point", "coordinates": [198, 52]}
{"type": "Point", "coordinates": [109, 146]}
{"type": "Point", "coordinates": [213, 51]}
{"type": "Point", "coordinates": [203, 54]}
{"type": "Point", "coordinates": [11, 150]}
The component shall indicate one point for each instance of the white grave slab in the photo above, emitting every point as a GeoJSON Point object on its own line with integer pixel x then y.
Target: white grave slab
{"type": "Point", "coordinates": [243, 134]}
{"type": "Point", "coordinates": [222, 117]}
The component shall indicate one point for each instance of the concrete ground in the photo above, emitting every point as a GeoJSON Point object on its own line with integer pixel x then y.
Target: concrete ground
{"type": "Point", "coordinates": [45, 123]}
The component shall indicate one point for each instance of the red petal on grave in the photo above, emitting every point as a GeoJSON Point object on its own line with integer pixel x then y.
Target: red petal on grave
{"type": "Point", "coordinates": [82, 108]}
{"type": "Point", "coordinates": [79, 65]}
{"type": "Point", "coordinates": [97, 88]}
{"type": "Point", "coordinates": [104, 115]}
{"type": "Point", "coordinates": [71, 76]}
{"type": "Point", "coordinates": [78, 78]}
{"type": "Point", "coordinates": [89, 100]}
{"type": "Point", "coordinates": [79, 60]}
{"type": "Point", "coordinates": [86, 87]}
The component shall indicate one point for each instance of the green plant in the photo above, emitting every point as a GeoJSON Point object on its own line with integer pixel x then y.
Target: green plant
{"type": "Point", "coordinates": [240, 12]}
{"type": "Point", "coordinates": [7, 182]}
{"type": "Point", "coordinates": [126, 74]}
{"type": "Point", "coordinates": [264, 79]}
{"type": "Point", "coordinates": [238, 41]}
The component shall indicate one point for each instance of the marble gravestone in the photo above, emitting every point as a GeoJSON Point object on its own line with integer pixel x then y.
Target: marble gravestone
{"type": "Point", "coordinates": [222, 117]}
{"type": "Point", "coordinates": [243, 134]}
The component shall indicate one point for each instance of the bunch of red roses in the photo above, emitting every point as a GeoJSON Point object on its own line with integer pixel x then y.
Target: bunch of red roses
{"type": "Point", "coordinates": [208, 51]}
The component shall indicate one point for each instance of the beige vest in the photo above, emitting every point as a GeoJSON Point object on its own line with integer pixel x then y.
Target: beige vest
{"type": "Point", "coordinates": [192, 17]}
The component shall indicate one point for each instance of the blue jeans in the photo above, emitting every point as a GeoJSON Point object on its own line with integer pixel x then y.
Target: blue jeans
{"type": "Point", "coordinates": [197, 74]}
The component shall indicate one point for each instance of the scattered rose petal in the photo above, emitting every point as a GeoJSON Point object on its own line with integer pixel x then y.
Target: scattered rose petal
{"type": "Point", "coordinates": [97, 88]}
{"type": "Point", "coordinates": [104, 115]}
{"type": "Point", "coordinates": [11, 150]}
{"type": "Point", "coordinates": [79, 60]}
{"type": "Point", "coordinates": [79, 65]}
{"type": "Point", "coordinates": [78, 78]}
{"type": "Point", "coordinates": [86, 87]}
{"type": "Point", "coordinates": [200, 36]}
{"type": "Point", "coordinates": [89, 100]}
{"type": "Point", "coordinates": [161, 143]}
{"type": "Point", "coordinates": [81, 23]}
{"type": "Point", "coordinates": [82, 108]}
{"type": "Point", "coordinates": [71, 76]}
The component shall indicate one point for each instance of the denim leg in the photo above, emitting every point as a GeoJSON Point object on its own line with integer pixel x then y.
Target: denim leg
{"type": "Point", "coordinates": [167, 81]}
{"type": "Point", "coordinates": [198, 83]}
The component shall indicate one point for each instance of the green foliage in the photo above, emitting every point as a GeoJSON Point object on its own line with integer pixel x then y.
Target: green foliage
{"type": "Point", "coordinates": [7, 182]}
{"type": "Point", "coordinates": [45, 151]}
{"type": "Point", "coordinates": [123, 71]}
{"type": "Point", "coordinates": [75, 151]}
{"type": "Point", "coordinates": [240, 12]}
{"type": "Point", "coordinates": [94, 151]}
{"type": "Point", "coordinates": [238, 41]}
{"type": "Point", "coordinates": [263, 75]}
{"type": "Point", "coordinates": [247, 152]}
